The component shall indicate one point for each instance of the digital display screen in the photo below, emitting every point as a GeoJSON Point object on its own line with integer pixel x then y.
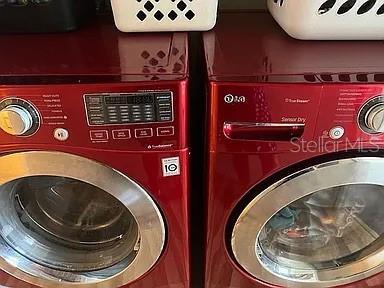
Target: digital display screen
{"type": "Point", "coordinates": [128, 108]}
{"type": "Point", "coordinates": [115, 100]}
{"type": "Point", "coordinates": [131, 100]}
{"type": "Point", "coordinates": [139, 100]}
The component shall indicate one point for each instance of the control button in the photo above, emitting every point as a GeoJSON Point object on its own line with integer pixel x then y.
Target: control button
{"type": "Point", "coordinates": [143, 133]}
{"type": "Point", "coordinates": [121, 134]}
{"type": "Point", "coordinates": [98, 135]}
{"type": "Point", "coordinates": [94, 100]}
{"type": "Point", "coordinates": [166, 131]}
{"type": "Point", "coordinates": [95, 108]}
{"type": "Point", "coordinates": [165, 118]}
{"type": "Point", "coordinates": [61, 134]}
{"type": "Point", "coordinates": [97, 121]}
{"type": "Point", "coordinates": [336, 132]}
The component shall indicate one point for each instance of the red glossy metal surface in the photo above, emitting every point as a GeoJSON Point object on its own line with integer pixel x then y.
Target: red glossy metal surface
{"type": "Point", "coordinates": [62, 106]}
{"type": "Point", "coordinates": [264, 103]}
{"type": "Point", "coordinates": [263, 132]}
{"type": "Point", "coordinates": [37, 68]}
{"type": "Point", "coordinates": [96, 52]}
{"type": "Point", "coordinates": [170, 193]}
{"type": "Point", "coordinates": [269, 83]}
{"type": "Point", "coordinates": [251, 47]}
{"type": "Point", "coordinates": [231, 175]}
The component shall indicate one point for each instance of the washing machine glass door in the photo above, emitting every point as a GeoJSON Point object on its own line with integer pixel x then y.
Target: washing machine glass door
{"type": "Point", "coordinates": [65, 218]}
{"type": "Point", "coordinates": [320, 227]}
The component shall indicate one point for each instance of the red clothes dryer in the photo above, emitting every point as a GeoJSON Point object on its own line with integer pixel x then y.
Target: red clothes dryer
{"type": "Point", "coordinates": [94, 160]}
{"type": "Point", "coordinates": [295, 142]}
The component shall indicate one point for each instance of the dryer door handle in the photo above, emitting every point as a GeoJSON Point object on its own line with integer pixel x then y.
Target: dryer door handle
{"type": "Point", "coordinates": [263, 131]}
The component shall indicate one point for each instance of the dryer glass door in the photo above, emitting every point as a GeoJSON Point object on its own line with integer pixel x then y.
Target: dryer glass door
{"type": "Point", "coordinates": [323, 226]}
{"type": "Point", "coordinates": [67, 219]}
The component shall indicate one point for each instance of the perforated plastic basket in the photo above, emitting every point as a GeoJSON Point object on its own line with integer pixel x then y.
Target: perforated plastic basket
{"type": "Point", "coordinates": [164, 15]}
{"type": "Point", "coordinates": [330, 19]}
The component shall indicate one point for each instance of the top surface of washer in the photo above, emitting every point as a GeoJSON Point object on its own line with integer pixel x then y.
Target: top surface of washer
{"type": "Point", "coordinates": [97, 51]}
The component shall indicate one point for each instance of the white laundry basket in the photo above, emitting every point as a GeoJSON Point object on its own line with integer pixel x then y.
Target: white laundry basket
{"type": "Point", "coordinates": [330, 19]}
{"type": "Point", "coordinates": [164, 15]}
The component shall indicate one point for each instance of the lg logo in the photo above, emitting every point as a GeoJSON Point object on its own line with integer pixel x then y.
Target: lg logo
{"type": "Point", "coordinates": [229, 99]}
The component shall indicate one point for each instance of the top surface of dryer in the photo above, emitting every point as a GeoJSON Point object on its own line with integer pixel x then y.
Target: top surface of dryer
{"type": "Point", "coordinates": [251, 47]}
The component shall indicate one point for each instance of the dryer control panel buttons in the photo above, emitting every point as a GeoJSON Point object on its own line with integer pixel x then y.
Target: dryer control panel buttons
{"type": "Point", "coordinates": [18, 117]}
{"type": "Point", "coordinates": [336, 133]}
{"type": "Point", "coordinates": [61, 134]}
{"type": "Point", "coordinates": [129, 108]}
{"type": "Point", "coordinates": [371, 116]}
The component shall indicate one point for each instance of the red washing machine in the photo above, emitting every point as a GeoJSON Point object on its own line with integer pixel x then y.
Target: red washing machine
{"type": "Point", "coordinates": [94, 160]}
{"type": "Point", "coordinates": [295, 159]}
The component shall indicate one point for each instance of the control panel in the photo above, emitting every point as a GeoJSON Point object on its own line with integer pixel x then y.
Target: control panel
{"type": "Point", "coordinates": [128, 117]}
{"type": "Point", "coordinates": [351, 117]}
{"type": "Point", "coordinates": [129, 108]}
{"type": "Point", "coordinates": [299, 118]}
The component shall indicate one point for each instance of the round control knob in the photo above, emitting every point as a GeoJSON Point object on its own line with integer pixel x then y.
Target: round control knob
{"type": "Point", "coordinates": [371, 116]}
{"type": "Point", "coordinates": [16, 120]}
{"type": "Point", "coordinates": [374, 119]}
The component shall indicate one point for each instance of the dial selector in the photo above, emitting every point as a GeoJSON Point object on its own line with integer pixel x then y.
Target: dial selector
{"type": "Point", "coordinates": [374, 118]}
{"type": "Point", "coordinates": [18, 117]}
{"type": "Point", "coordinates": [15, 120]}
{"type": "Point", "coordinates": [371, 116]}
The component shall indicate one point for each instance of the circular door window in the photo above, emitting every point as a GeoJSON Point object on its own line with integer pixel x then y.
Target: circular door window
{"type": "Point", "coordinates": [66, 224]}
{"type": "Point", "coordinates": [85, 224]}
{"type": "Point", "coordinates": [320, 227]}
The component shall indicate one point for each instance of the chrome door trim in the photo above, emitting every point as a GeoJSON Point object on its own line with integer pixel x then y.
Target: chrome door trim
{"type": "Point", "coordinates": [246, 231]}
{"type": "Point", "coordinates": [135, 198]}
